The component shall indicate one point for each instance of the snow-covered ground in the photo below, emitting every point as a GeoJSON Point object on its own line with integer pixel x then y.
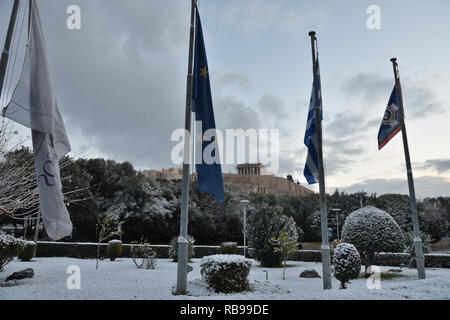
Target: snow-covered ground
{"type": "Point", "coordinates": [122, 280]}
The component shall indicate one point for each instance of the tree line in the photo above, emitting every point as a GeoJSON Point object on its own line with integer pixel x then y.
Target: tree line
{"type": "Point", "coordinates": [151, 208]}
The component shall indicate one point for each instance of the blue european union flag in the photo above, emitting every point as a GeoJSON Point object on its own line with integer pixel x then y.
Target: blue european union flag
{"type": "Point", "coordinates": [209, 175]}
{"type": "Point", "coordinates": [390, 125]}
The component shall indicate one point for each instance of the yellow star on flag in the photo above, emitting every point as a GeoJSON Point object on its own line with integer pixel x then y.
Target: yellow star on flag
{"type": "Point", "coordinates": [204, 72]}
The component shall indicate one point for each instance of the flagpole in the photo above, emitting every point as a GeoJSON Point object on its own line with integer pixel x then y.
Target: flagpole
{"type": "Point", "coordinates": [7, 46]}
{"type": "Point", "coordinates": [36, 230]}
{"type": "Point", "coordinates": [182, 239]}
{"type": "Point", "coordinates": [412, 194]}
{"type": "Point", "coordinates": [326, 270]}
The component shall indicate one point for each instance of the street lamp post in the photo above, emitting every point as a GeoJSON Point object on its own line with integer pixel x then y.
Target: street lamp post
{"type": "Point", "coordinates": [245, 202]}
{"type": "Point", "coordinates": [337, 220]}
{"type": "Point", "coordinates": [361, 194]}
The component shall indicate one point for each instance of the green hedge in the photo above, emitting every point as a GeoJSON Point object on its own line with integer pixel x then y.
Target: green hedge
{"type": "Point", "coordinates": [89, 251]}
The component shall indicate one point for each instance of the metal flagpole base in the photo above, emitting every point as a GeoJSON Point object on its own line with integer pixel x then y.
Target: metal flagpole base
{"type": "Point", "coordinates": [418, 247]}
{"type": "Point", "coordinates": [182, 266]}
{"type": "Point", "coordinates": [326, 270]}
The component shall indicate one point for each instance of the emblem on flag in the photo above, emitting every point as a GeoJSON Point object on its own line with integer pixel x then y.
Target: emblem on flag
{"type": "Point", "coordinates": [33, 104]}
{"type": "Point", "coordinates": [390, 125]}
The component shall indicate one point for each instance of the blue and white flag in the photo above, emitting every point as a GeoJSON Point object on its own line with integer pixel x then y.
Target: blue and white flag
{"type": "Point", "coordinates": [311, 171]}
{"type": "Point", "coordinates": [390, 125]}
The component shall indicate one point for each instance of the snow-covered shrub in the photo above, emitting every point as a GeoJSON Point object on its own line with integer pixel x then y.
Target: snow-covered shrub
{"type": "Point", "coordinates": [107, 227]}
{"type": "Point", "coordinates": [347, 263]}
{"type": "Point", "coordinates": [226, 273]}
{"type": "Point", "coordinates": [372, 230]}
{"type": "Point", "coordinates": [10, 247]}
{"type": "Point", "coordinates": [228, 248]}
{"type": "Point", "coordinates": [143, 256]}
{"type": "Point", "coordinates": [173, 249]}
{"type": "Point", "coordinates": [114, 249]}
{"type": "Point", "coordinates": [28, 252]}
{"type": "Point", "coordinates": [264, 224]}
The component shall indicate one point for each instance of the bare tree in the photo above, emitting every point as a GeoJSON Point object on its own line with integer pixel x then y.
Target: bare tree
{"type": "Point", "coordinates": [19, 196]}
{"type": "Point", "coordinates": [18, 186]}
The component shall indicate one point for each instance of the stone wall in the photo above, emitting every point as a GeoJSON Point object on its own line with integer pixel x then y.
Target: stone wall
{"type": "Point", "coordinates": [89, 251]}
{"type": "Point", "coordinates": [381, 259]}
{"type": "Point", "coordinates": [268, 184]}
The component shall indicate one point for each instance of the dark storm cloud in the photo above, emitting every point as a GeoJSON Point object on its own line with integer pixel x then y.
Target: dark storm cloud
{"type": "Point", "coordinates": [346, 124]}
{"type": "Point", "coordinates": [231, 80]}
{"type": "Point", "coordinates": [232, 113]}
{"type": "Point", "coordinates": [422, 101]}
{"type": "Point", "coordinates": [121, 79]}
{"type": "Point", "coordinates": [272, 106]}
{"type": "Point", "coordinates": [336, 163]}
{"type": "Point", "coordinates": [439, 165]}
{"type": "Point", "coordinates": [370, 86]}
{"type": "Point", "coordinates": [293, 162]}
{"type": "Point", "coordinates": [341, 152]}
{"type": "Point", "coordinates": [419, 97]}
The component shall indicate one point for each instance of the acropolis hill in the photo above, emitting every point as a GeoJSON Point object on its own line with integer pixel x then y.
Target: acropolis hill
{"type": "Point", "coordinates": [250, 177]}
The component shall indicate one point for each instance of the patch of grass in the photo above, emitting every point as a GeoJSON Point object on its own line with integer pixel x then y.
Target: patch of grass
{"type": "Point", "coordinates": [384, 275]}
{"type": "Point", "coordinates": [389, 276]}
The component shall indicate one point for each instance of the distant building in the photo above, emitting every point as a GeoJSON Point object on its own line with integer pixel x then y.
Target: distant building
{"type": "Point", "coordinates": [249, 169]}
{"type": "Point", "coordinates": [254, 178]}
{"type": "Point", "coordinates": [165, 174]}
{"type": "Point", "coordinates": [251, 177]}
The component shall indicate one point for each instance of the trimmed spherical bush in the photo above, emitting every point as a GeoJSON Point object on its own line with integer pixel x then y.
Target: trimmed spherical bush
{"type": "Point", "coordinates": [372, 230]}
{"type": "Point", "coordinates": [347, 263]}
{"type": "Point", "coordinates": [28, 252]}
{"type": "Point", "coordinates": [114, 249]}
{"type": "Point", "coordinates": [226, 273]}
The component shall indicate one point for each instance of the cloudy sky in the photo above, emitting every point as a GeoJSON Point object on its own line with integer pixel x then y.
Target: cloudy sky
{"type": "Point", "coordinates": [121, 80]}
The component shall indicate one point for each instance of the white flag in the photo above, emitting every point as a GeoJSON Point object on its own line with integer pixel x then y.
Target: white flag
{"type": "Point", "coordinates": [33, 105]}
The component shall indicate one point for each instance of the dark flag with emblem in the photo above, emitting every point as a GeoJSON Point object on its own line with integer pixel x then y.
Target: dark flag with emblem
{"type": "Point", "coordinates": [209, 171]}
{"type": "Point", "coordinates": [391, 124]}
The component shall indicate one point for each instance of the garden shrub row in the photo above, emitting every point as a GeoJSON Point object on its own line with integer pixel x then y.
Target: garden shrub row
{"type": "Point", "coordinates": [381, 258]}
{"type": "Point", "coordinates": [89, 250]}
